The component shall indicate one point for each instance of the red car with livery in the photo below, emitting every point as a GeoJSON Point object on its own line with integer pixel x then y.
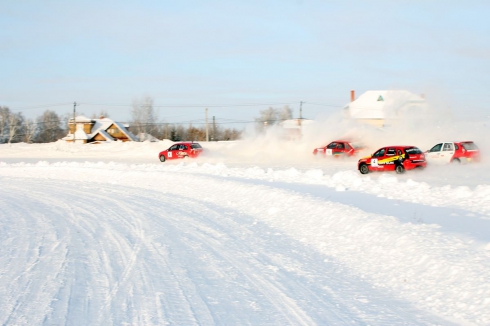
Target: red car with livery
{"type": "Point", "coordinates": [338, 148]}
{"type": "Point", "coordinates": [393, 158]}
{"type": "Point", "coordinates": [181, 150]}
{"type": "Point", "coordinates": [453, 152]}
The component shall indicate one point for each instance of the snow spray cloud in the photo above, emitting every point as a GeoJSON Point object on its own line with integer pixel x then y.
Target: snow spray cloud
{"type": "Point", "coordinates": [422, 126]}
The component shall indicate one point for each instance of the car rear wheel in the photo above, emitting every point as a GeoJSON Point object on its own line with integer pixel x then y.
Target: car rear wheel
{"type": "Point", "coordinates": [162, 158]}
{"type": "Point", "coordinates": [364, 169]}
{"type": "Point", "coordinates": [399, 169]}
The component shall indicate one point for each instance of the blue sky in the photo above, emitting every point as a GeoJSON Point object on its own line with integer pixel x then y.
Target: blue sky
{"type": "Point", "coordinates": [239, 57]}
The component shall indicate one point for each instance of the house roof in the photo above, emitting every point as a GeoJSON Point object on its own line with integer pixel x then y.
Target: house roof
{"type": "Point", "coordinates": [81, 118]}
{"type": "Point", "coordinates": [104, 134]}
{"type": "Point", "coordinates": [383, 104]}
{"type": "Point", "coordinates": [101, 125]}
{"type": "Point", "coordinates": [125, 131]}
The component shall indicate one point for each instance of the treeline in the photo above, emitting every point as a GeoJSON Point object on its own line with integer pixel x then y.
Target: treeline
{"type": "Point", "coordinates": [180, 133]}
{"type": "Point", "coordinates": [50, 127]}
{"type": "Point", "coordinates": [15, 128]}
{"type": "Point", "coordinates": [145, 122]}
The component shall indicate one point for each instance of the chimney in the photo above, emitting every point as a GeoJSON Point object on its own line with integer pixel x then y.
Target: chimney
{"type": "Point", "coordinates": [352, 95]}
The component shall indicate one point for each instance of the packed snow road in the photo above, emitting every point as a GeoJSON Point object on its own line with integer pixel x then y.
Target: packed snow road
{"type": "Point", "coordinates": [85, 253]}
{"type": "Point", "coordinates": [105, 243]}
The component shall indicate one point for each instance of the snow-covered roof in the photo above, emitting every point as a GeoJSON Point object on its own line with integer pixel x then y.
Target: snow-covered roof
{"type": "Point", "coordinates": [384, 104]}
{"type": "Point", "coordinates": [107, 137]}
{"type": "Point", "coordinates": [125, 131]}
{"type": "Point", "coordinates": [81, 118]}
{"type": "Point", "coordinates": [101, 125]}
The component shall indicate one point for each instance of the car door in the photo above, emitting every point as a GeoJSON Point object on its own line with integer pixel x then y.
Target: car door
{"type": "Point", "coordinates": [434, 154]}
{"type": "Point", "coordinates": [376, 158]}
{"type": "Point", "coordinates": [340, 149]}
{"type": "Point", "coordinates": [390, 158]}
{"type": "Point", "coordinates": [182, 152]}
{"type": "Point", "coordinates": [172, 151]}
{"type": "Point", "coordinates": [329, 150]}
{"type": "Point", "coordinates": [447, 152]}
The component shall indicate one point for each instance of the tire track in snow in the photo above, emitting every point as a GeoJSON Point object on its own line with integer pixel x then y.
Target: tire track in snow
{"type": "Point", "coordinates": [192, 270]}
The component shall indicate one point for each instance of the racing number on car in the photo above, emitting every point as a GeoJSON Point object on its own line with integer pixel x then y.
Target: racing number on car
{"type": "Point", "coordinates": [374, 162]}
{"type": "Point", "coordinates": [329, 151]}
{"type": "Point", "coordinates": [169, 154]}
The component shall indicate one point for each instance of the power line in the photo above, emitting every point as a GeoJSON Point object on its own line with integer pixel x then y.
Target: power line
{"type": "Point", "coordinates": [320, 104]}
{"type": "Point", "coordinates": [38, 106]}
{"type": "Point", "coordinates": [194, 105]}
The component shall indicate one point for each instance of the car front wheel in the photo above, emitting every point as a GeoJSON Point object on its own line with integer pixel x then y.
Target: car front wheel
{"type": "Point", "coordinates": [162, 158]}
{"type": "Point", "coordinates": [364, 169]}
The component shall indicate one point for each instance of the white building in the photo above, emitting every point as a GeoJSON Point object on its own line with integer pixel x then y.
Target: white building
{"type": "Point", "coordinates": [381, 108]}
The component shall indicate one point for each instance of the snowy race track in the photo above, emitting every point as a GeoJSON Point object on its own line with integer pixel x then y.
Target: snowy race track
{"type": "Point", "coordinates": [114, 244]}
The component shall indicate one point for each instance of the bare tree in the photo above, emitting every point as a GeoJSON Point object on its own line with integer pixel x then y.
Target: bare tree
{"type": "Point", "coordinates": [102, 113]}
{"type": "Point", "coordinates": [4, 122]}
{"type": "Point", "coordinates": [272, 116]}
{"type": "Point", "coordinates": [14, 125]}
{"type": "Point", "coordinates": [144, 117]}
{"type": "Point", "coordinates": [285, 113]}
{"type": "Point", "coordinates": [30, 128]}
{"type": "Point", "coordinates": [49, 127]}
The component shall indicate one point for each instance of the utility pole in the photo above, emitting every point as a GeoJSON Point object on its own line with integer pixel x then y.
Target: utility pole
{"type": "Point", "coordinates": [74, 124]}
{"type": "Point", "coordinates": [300, 112]}
{"type": "Point", "coordinates": [214, 129]}
{"type": "Point", "coordinates": [207, 127]}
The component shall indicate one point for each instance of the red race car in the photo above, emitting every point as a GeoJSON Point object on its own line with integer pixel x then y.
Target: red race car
{"type": "Point", "coordinates": [453, 152]}
{"type": "Point", "coordinates": [393, 158]}
{"type": "Point", "coordinates": [338, 148]}
{"type": "Point", "coordinates": [181, 150]}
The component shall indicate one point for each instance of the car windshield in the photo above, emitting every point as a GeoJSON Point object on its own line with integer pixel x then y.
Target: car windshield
{"type": "Point", "coordinates": [413, 150]}
{"type": "Point", "coordinates": [332, 145]}
{"type": "Point", "coordinates": [195, 145]}
{"type": "Point", "coordinates": [469, 146]}
{"type": "Point", "coordinates": [379, 153]}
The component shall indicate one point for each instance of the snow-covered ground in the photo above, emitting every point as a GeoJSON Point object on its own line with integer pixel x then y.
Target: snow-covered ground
{"type": "Point", "coordinates": [251, 233]}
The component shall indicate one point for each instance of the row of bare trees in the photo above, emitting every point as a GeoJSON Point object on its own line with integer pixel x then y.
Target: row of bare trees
{"type": "Point", "coordinates": [145, 121]}
{"type": "Point", "coordinates": [14, 127]}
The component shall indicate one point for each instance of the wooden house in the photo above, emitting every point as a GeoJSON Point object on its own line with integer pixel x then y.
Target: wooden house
{"type": "Point", "coordinates": [86, 130]}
